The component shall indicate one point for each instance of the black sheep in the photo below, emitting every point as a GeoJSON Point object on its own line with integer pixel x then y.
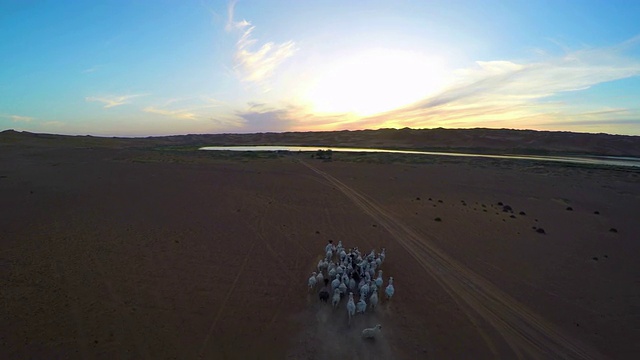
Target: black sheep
{"type": "Point", "coordinates": [324, 294]}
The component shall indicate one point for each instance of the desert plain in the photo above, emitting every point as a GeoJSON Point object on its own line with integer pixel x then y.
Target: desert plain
{"type": "Point", "coordinates": [117, 250]}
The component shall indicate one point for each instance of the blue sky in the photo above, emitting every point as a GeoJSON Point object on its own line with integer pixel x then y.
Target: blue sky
{"type": "Point", "coordinates": [138, 68]}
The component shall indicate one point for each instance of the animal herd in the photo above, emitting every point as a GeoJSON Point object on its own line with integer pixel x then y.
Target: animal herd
{"type": "Point", "coordinates": [344, 271]}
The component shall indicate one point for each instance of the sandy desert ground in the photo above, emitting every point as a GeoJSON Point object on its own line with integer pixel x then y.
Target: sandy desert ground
{"type": "Point", "coordinates": [134, 253]}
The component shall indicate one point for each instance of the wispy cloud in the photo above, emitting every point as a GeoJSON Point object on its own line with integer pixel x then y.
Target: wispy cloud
{"type": "Point", "coordinates": [17, 118]}
{"type": "Point", "coordinates": [614, 121]}
{"type": "Point", "coordinates": [232, 24]}
{"type": "Point", "coordinates": [260, 117]}
{"type": "Point", "coordinates": [253, 62]}
{"type": "Point", "coordinates": [91, 69]}
{"type": "Point", "coordinates": [500, 93]}
{"type": "Point", "coordinates": [190, 108]}
{"type": "Point", "coordinates": [178, 114]}
{"type": "Point", "coordinates": [53, 124]}
{"type": "Point", "coordinates": [20, 118]}
{"type": "Point", "coordinates": [113, 101]}
{"type": "Point", "coordinates": [506, 92]}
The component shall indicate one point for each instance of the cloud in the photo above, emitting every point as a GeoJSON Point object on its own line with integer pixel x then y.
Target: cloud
{"type": "Point", "coordinates": [188, 108]}
{"type": "Point", "coordinates": [231, 24]}
{"type": "Point", "coordinates": [178, 114]}
{"type": "Point", "coordinates": [514, 93]}
{"type": "Point", "coordinates": [500, 93]}
{"type": "Point", "coordinates": [53, 123]}
{"type": "Point", "coordinates": [91, 69]}
{"type": "Point", "coordinates": [266, 121]}
{"type": "Point", "coordinates": [253, 62]}
{"type": "Point", "coordinates": [113, 101]}
{"type": "Point", "coordinates": [612, 119]}
{"type": "Point", "coordinates": [19, 118]}
{"type": "Point", "coordinates": [260, 117]}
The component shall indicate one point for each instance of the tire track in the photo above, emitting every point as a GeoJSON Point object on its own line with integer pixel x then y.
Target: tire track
{"type": "Point", "coordinates": [526, 334]}
{"type": "Point", "coordinates": [126, 325]}
{"type": "Point", "coordinates": [260, 230]}
{"type": "Point", "coordinates": [226, 300]}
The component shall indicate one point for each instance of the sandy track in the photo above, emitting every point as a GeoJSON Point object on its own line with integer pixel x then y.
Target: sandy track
{"type": "Point", "coordinates": [522, 333]}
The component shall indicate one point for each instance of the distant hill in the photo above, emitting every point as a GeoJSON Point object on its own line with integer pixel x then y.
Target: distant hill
{"type": "Point", "coordinates": [479, 140]}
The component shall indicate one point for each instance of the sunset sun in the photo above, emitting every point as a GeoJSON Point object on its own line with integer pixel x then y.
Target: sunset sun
{"type": "Point", "coordinates": [375, 81]}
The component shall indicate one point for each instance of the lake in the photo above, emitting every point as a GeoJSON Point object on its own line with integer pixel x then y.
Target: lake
{"type": "Point", "coordinates": [593, 160]}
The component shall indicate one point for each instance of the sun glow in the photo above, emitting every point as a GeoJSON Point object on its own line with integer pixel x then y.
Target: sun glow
{"type": "Point", "coordinates": [375, 81]}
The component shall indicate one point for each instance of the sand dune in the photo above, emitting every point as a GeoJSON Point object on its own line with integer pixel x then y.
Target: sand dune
{"type": "Point", "coordinates": [493, 141]}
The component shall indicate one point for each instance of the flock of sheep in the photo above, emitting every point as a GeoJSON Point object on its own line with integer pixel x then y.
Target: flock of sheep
{"type": "Point", "coordinates": [343, 270]}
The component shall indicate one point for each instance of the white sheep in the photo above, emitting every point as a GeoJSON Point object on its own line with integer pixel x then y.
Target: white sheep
{"type": "Point", "coordinates": [371, 333]}
{"type": "Point", "coordinates": [372, 255]}
{"type": "Point", "coordinates": [329, 246]}
{"type": "Point", "coordinates": [349, 267]}
{"type": "Point", "coordinates": [364, 290]}
{"type": "Point", "coordinates": [332, 270]}
{"type": "Point", "coordinates": [325, 264]}
{"type": "Point", "coordinates": [342, 287]}
{"type": "Point", "coordinates": [335, 283]}
{"type": "Point", "coordinates": [390, 289]}
{"type": "Point", "coordinates": [373, 300]}
{"type": "Point", "coordinates": [361, 306]}
{"type": "Point", "coordinates": [329, 254]}
{"type": "Point", "coordinates": [383, 255]}
{"type": "Point", "coordinates": [320, 278]}
{"type": "Point", "coordinates": [336, 298]}
{"type": "Point", "coordinates": [379, 279]}
{"type": "Point", "coordinates": [312, 281]}
{"type": "Point", "coordinates": [373, 288]}
{"type": "Point", "coordinates": [351, 307]}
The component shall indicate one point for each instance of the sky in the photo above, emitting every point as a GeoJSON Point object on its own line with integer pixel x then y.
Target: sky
{"type": "Point", "coordinates": [145, 68]}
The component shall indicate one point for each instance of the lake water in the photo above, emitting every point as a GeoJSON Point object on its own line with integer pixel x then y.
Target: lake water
{"type": "Point", "coordinates": [594, 160]}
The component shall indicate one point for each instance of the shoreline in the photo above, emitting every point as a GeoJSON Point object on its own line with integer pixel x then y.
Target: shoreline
{"type": "Point", "coordinates": [586, 159]}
